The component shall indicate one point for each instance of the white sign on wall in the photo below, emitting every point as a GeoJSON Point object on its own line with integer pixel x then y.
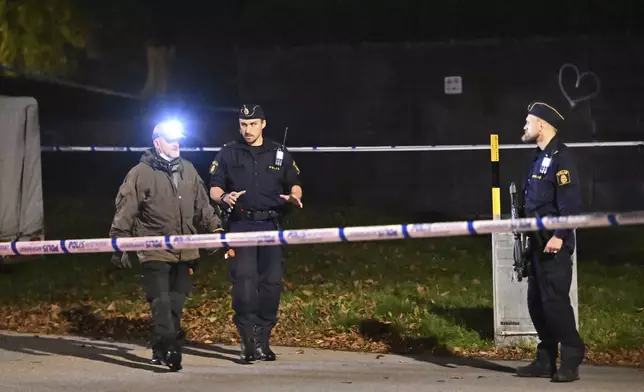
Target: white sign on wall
{"type": "Point", "coordinates": [453, 85]}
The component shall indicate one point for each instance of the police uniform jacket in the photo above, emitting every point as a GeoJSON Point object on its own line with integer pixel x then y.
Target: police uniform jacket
{"type": "Point", "coordinates": [159, 198]}
{"type": "Point", "coordinates": [238, 167]}
{"type": "Point", "coordinates": [552, 188]}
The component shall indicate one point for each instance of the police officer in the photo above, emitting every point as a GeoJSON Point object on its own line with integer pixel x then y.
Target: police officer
{"type": "Point", "coordinates": [552, 188]}
{"type": "Point", "coordinates": [164, 195]}
{"type": "Point", "coordinates": [254, 179]}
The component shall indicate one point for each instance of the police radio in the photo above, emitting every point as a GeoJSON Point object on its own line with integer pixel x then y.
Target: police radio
{"type": "Point", "coordinates": [279, 157]}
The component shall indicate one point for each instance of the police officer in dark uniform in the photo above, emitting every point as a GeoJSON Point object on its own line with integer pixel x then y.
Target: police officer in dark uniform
{"type": "Point", "coordinates": [552, 188]}
{"type": "Point", "coordinates": [255, 178]}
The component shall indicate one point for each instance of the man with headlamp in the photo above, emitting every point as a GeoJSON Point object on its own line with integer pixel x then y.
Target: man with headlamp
{"type": "Point", "coordinates": [164, 195]}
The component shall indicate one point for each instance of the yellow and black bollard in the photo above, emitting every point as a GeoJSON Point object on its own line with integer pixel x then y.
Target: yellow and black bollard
{"type": "Point", "coordinates": [496, 190]}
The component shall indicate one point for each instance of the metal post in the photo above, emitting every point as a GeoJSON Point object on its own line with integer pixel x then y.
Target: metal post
{"type": "Point", "coordinates": [511, 318]}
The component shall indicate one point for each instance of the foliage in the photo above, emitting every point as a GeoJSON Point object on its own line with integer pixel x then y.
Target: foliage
{"type": "Point", "coordinates": [38, 36]}
{"type": "Point", "coordinates": [408, 296]}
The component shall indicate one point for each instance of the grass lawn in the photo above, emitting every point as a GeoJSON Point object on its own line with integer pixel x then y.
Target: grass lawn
{"type": "Point", "coordinates": [391, 296]}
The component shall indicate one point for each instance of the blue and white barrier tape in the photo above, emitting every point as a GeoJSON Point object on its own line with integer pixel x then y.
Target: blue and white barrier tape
{"type": "Point", "coordinates": [453, 147]}
{"type": "Point", "coordinates": [324, 235]}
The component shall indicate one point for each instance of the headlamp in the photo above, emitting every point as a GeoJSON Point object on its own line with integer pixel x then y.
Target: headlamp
{"type": "Point", "coordinates": [171, 130]}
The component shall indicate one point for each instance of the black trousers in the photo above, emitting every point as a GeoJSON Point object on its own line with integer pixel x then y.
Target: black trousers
{"type": "Point", "coordinates": [166, 286]}
{"type": "Point", "coordinates": [550, 309]}
{"type": "Point", "coordinates": [256, 276]}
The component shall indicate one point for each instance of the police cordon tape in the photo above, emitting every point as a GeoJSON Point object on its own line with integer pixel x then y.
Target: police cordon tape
{"type": "Point", "coordinates": [323, 235]}
{"type": "Point", "coordinates": [453, 147]}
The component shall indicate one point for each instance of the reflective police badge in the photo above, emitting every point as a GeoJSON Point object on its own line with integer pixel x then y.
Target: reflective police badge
{"type": "Point", "coordinates": [563, 177]}
{"type": "Point", "coordinates": [213, 167]}
{"type": "Point", "coordinates": [545, 164]}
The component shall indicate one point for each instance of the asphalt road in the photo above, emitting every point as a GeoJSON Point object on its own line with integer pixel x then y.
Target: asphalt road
{"type": "Point", "coordinates": [66, 364]}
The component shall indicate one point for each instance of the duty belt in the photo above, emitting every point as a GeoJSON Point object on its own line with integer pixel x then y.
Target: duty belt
{"type": "Point", "coordinates": [254, 215]}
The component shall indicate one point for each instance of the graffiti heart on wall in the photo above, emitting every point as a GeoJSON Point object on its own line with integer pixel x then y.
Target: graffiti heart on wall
{"type": "Point", "coordinates": [588, 76]}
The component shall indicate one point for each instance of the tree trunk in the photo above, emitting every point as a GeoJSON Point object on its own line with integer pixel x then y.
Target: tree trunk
{"type": "Point", "coordinates": [159, 60]}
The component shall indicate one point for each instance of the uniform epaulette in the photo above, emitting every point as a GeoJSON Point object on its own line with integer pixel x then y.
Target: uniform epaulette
{"type": "Point", "coordinates": [560, 148]}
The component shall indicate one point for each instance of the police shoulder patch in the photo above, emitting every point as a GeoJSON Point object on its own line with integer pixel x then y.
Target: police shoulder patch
{"type": "Point", "coordinates": [563, 177]}
{"type": "Point", "coordinates": [213, 167]}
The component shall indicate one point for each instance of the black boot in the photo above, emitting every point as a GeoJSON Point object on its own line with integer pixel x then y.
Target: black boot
{"type": "Point", "coordinates": [566, 374]}
{"type": "Point", "coordinates": [545, 365]}
{"type": "Point", "coordinates": [168, 352]}
{"type": "Point", "coordinates": [247, 353]}
{"type": "Point", "coordinates": [247, 343]}
{"type": "Point", "coordinates": [263, 351]}
{"type": "Point", "coordinates": [158, 351]}
{"type": "Point", "coordinates": [173, 360]}
{"type": "Point", "coordinates": [571, 358]}
{"type": "Point", "coordinates": [158, 356]}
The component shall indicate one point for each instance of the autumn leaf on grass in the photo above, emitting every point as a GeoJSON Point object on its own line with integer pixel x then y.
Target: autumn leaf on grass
{"type": "Point", "coordinates": [289, 285]}
{"type": "Point", "coordinates": [55, 311]}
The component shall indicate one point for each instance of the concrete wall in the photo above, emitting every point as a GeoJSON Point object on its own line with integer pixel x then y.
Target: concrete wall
{"type": "Point", "coordinates": [380, 94]}
{"type": "Point", "coordinates": [377, 94]}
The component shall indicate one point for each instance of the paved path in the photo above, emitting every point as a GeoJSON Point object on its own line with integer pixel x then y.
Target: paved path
{"type": "Point", "coordinates": [66, 364]}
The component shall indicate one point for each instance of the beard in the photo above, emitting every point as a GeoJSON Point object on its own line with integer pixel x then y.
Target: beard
{"type": "Point", "coordinates": [528, 138]}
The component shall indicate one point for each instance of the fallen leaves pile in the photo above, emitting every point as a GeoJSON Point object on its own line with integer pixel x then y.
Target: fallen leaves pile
{"type": "Point", "coordinates": [205, 325]}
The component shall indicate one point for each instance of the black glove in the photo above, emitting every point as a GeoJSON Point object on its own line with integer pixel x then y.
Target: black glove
{"type": "Point", "coordinates": [212, 251]}
{"type": "Point", "coordinates": [121, 260]}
